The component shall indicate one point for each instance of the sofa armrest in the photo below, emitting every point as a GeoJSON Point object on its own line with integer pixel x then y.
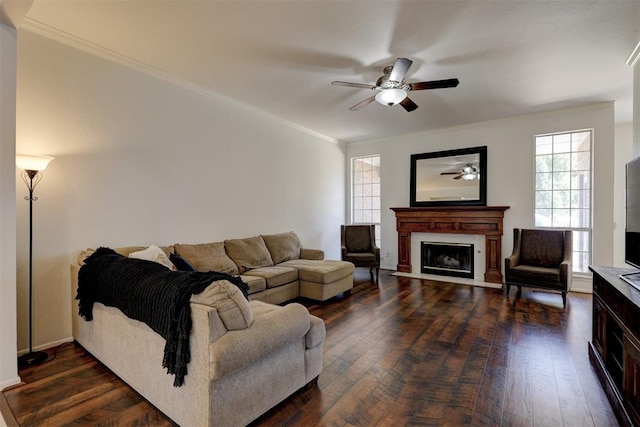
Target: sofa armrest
{"type": "Point", "coordinates": [566, 274]}
{"type": "Point", "coordinates": [510, 262]}
{"type": "Point", "coordinates": [513, 260]}
{"type": "Point", "coordinates": [317, 333]}
{"type": "Point", "coordinates": [376, 251]}
{"type": "Point", "coordinates": [269, 332]}
{"type": "Point", "coordinates": [313, 254]}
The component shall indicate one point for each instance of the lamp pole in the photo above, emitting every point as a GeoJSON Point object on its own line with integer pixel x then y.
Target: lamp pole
{"type": "Point", "coordinates": [31, 166]}
{"type": "Point", "coordinates": [31, 178]}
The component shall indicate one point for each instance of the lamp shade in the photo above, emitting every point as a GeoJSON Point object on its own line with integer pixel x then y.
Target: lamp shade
{"type": "Point", "coordinates": [391, 96]}
{"type": "Point", "coordinates": [32, 163]}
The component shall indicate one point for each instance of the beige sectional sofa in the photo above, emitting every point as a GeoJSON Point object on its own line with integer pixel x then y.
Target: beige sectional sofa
{"type": "Point", "coordinates": [276, 267]}
{"type": "Point", "coordinates": [246, 356]}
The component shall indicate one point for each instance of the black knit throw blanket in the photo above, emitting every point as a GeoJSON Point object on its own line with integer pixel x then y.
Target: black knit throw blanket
{"type": "Point", "coordinates": [149, 292]}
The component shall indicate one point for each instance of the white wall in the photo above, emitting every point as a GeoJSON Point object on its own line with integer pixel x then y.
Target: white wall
{"type": "Point", "coordinates": [510, 169]}
{"type": "Point", "coordinates": [140, 161]}
{"type": "Point", "coordinates": [623, 153]}
{"type": "Point", "coordinates": [8, 360]}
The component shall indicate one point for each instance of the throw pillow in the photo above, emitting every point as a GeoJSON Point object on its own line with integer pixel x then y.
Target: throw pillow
{"type": "Point", "coordinates": [155, 254]}
{"type": "Point", "coordinates": [248, 253]}
{"type": "Point", "coordinates": [207, 257]}
{"type": "Point", "coordinates": [283, 247]}
{"type": "Point", "coordinates": [180, 263]}
{"type": "Point", "coordinates": [233, 308]}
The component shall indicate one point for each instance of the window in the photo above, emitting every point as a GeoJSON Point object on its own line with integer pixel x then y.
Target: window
{"type": "Point", "coordinates": [563, 189]}
{"type": "Point", "coordinates": [365, 190]}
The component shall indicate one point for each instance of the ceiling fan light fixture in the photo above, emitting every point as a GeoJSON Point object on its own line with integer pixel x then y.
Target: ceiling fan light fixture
{"type": "Point", "coordinates": [469, 173]}
{"type": "Point", "coordinates": [391, 96]}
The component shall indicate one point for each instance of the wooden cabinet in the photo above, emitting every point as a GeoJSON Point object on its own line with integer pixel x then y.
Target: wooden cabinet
{"type": "Point", "coordinates": [615, 347]}
{"type": "Point", "coordinates": [599, 325]}
{"type": "Point", "coordinates": [632, 379]}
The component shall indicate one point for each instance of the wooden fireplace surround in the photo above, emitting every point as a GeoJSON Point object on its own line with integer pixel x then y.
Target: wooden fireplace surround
{"type": "Point", "coordinates": [485, 220]}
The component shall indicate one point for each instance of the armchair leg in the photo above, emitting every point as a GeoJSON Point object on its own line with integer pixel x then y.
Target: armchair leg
{"type": "Point", "coordinates": [564, 300]}
{"type": "Point", "coordinates": [371, 273]}
{"type": "Point", "coordinates": [377, 275]}
{"type": "Point", "coordinates": [519, 292]}
{"type": "Point", "coordinates": [508, 288]}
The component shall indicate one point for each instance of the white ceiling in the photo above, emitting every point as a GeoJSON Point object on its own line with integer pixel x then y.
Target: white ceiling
{"type": "Point", "coordinates": [512, 57]}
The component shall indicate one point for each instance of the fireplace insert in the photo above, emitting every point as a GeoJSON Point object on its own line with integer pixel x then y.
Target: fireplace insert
{"type": "Point", "coordinates": [447, 259]}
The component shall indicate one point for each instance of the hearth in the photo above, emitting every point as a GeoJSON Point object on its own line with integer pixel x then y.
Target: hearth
{"type": "Point", "coordinates": [447, 259]}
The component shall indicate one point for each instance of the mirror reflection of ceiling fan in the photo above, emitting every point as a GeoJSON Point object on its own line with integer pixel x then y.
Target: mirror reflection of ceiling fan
{"type": "Point", "coordinates": [468, 173]}
{"type": "Point", "coordinates": [392, 89]}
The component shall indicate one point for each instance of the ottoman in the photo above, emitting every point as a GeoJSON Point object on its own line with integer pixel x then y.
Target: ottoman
{"type": "Point", "coordinates": [322, 279]}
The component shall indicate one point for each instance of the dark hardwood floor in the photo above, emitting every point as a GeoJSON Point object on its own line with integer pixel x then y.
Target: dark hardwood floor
{"type": "Point", "coordinates": [404, 352]}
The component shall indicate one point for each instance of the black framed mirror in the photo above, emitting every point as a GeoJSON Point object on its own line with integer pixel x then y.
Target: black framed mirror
{"type": "Point", "coordinates": [449, 178]}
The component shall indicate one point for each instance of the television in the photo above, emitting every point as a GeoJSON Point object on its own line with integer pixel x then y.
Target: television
{"type": "Point", "coordinates": [632, 222]}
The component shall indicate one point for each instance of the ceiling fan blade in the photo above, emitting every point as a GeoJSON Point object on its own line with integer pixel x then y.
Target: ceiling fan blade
{"type": "Point", "coordinates": [434, 84]}
{"type": "Point", "coordinates": [363, 103]}
{"type": "Point", "coordinates": [408, 104]}
{"type": "Point", "coordinates": [449, 173]}
{"type": "Point", "coordinates": [360, 85]}
{"type": "Point", "coordinates": [458, 177]}
{"type": "Point", "coordinates": [400, 69]}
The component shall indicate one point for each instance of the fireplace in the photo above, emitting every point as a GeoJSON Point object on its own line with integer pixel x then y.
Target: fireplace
{"type": "Point", "coordinates": [483, 220]}
{"type": "Point", "coordinates": [447, 259]}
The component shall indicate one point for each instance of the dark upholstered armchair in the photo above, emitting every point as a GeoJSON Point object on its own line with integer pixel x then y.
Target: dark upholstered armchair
{"type": "Point", "coordinates": [359, 247]}
{"type": "Point", "coordinates": [540, 259]}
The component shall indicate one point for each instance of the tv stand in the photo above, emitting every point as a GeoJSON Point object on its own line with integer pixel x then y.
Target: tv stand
{"type": "Point", "coordinates": [632, 278]}
{"type": "Point", "coordinates": [614, 350]}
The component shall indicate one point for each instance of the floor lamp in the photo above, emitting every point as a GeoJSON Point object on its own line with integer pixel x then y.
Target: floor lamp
{"type": "Point", "coordinates": [31, 167]}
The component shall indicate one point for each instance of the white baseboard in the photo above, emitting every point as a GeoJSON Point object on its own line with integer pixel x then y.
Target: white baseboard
{"type": "Point", "coordinates": [46, 346]}
{"type": "Point", "coordinates": [9, 383]}
{"type": "Point", "coordinates": [582, 284]}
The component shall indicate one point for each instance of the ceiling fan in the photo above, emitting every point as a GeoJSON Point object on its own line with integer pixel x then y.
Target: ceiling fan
{"type": "Point", "coordinates": [392, 89]}
{"type": "Point", "coordinates": [468, 173]}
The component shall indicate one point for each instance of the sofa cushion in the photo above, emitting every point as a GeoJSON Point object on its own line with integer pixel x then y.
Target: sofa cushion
{"type": "Point", "coordinates": [207, 257]}
{"type": "Point", "coordinates": [283, 247]}
{"type": "Point", "coordinates": [155, 254]}
{"type": "Point", "coordinates": [248, 253]}
{"type": "Point", "coordinates": [275, 275]}
{"type": "Point", "coordinates": [325, 271]}
{"type": "Point", "coordinates": [360, 257]}
{"type": "Point", "coordinates": [544, 248]}
{"type": "Point", "coordinates": [358, 238]}
{"type": "Point", "coordinates": [232, 307]}
{"type": "Point", "coordinates": [536, 276]}
{"type": "Point", "coordinates": [256, 283]}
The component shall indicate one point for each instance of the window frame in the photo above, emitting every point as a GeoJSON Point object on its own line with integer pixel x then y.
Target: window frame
{"type": "Point", "coordinates": [352, 189]}
{"type": "Point", "coordinates": [589, 229]}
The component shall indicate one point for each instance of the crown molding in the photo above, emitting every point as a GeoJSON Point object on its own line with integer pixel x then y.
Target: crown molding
{"type": "Point", "coordinates": [632, 60]}
{"type": "Point", "coordinates": [67, 39]}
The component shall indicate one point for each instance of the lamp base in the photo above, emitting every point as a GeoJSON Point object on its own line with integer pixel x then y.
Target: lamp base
{"type": "Point", "coordinates": [32, 358]}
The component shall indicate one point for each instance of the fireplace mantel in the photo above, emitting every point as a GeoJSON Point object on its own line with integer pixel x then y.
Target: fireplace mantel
{"type": "Point", "coordinates": [484, 220]}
